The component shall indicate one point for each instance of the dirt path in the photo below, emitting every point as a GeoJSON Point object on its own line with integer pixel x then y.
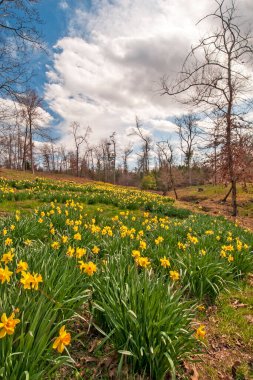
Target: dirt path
{"type": "Point", "coordinates": [215, 208]}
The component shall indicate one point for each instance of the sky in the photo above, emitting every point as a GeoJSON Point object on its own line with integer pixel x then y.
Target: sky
{"type": "Point", "coordinates": [106, 58]}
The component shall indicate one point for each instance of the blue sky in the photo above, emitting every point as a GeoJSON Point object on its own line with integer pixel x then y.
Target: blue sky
{"type": "Point", "coordinates": [106, 57]}
{"type": "Point", "coordinates": [54, 26]}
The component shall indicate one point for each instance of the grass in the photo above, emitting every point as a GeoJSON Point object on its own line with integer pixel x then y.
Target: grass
{"type": "Point", "coordinates": [137, 294]}
{"type": "Point", "coordinates": [247, 208]}
{"type": "Point", "coordinates": [230, 336]}
{"type": "Point", "coordinates": [216, 191]}
{"type": "Point", "coordinates": [237, 307]}
{"type": "Point", "coordinates": [25, 206]}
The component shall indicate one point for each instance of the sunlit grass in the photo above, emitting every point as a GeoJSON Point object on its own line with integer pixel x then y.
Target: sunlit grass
{"type": "Point", "coordinates": [139, 265]}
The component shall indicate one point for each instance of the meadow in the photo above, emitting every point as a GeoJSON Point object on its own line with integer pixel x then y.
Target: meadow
{"type": "Point", "coordinates": [119, 266]}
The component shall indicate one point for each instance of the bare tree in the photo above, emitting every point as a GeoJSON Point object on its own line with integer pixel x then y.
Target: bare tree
{"type": "Point", "coordinates": [19, 36]}
{"type": "Point", "coordinates": [51, 155]}
{"type": "Point", "coordinates": [125, 156]}
{"type": "Point", "coordinates": [79, 140]}
{"type": "Point", "coordinates": [113, 155]}
{"type": "Point", "coordinates": [188, 131]}
{"type": "Point", "coordinates": [63, 159]}
{"type": "Point", "coordinates": [215, 75]}
{"type": "Point", "coordinates": [10, 134]}
{"type": "Point", "coordinates": [31, 106]}
{"type": "Point", "coordinates": [146, 147]}
{"type": "Point", "coordinates": [166, 153]}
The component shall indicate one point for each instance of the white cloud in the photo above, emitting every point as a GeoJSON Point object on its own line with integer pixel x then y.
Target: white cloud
{"type": "Point", "coordinates": [107, 70]}
{"type": "Point", "coordinates": [11, 114]}
{"type": "Point", "coordinates": [63, 4]}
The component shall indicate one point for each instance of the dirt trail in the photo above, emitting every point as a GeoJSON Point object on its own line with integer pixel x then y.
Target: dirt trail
{"type": "Point", "coordinates": [213, 207]}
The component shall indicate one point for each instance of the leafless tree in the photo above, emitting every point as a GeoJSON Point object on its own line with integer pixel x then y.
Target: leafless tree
{"type": "Point", "coordinates": [166, 154]}
{"type": "Point", "coordinates": [79, 140]}
{"type": "Point", "coordinates": [144, 157]}
{"type": "Point", "coordinates": [31, 106]}
{"type": "Point", "coordinates": [188, 131]}
{"type": "Point", "coordinates": [216, 75]}
{"type": "Point", "coordinates": [19, 36]}
{"type": "Point", "coordinates": [127, 151]}
{"type": "Point", "coordinates": [113, 155]}
{"type": "Point", "coordinates": [51, 156]}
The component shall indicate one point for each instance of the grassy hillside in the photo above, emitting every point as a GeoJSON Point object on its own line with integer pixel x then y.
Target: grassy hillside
{"type": "Point", "coordinates": [144, 289]}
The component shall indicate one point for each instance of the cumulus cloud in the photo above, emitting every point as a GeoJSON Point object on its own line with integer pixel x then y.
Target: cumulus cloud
{"type": "Point", "coordinates": [107, 69]}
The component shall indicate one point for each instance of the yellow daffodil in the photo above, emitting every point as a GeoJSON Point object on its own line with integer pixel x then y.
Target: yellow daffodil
{"type": "Point", "coordinates": [77, 236]}
{"type": "Point", "coordinates": [95, 250]}
{"type": "Point", "coordinates": [201, 331]}
{"type": "Point", "coordinates": [55, 245]}
{"type": "Point", "coordinates": [80, 252]}
{"type": "Point", "coordinates": [89, 268]}
{"type": "Point", "coordinates": [5, 274]}
{"type": "Point", "coordinates": [136, 253]}
{"type": "Point", "coordinates": [30, 281]}
{"type": "Point", "coordinates": [62, 340]}
{"type": "Point", "coordinates": [64, 239]}
{"type": "Point", "coordinates": [142, 261]}
{"type": "Point", "coordinates": [22, 266]}
{"type": "Point", "coordinates": [181, 246]}
{"type": "Point", "coordinates": [159, 240]}
{"type": "Point", "coordinates": [8, 324]}
{"type": "Point", "coordinates": [7, 257]}
{"type": "Point", "coordinates": [174, 275]}
{"type": "Point", "coordinates": [165, 262]}
{"type": "Point", "coordinates": [8, 242]}
{"type": "Point", "coordinates": [70, 251]}
{"type": "Point", "coordinates": [143, 245]}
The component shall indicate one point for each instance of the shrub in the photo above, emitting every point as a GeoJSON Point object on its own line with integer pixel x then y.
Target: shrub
{"type": "Point", "coordinates": [148, 182]}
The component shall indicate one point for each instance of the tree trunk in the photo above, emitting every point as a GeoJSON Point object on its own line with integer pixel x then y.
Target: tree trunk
{"type": "Point", "coordinates": [229, 138]}
{"type": "Point", "coordinates": [234, 198]}
{"type": "Point", "coordinates": [227, 195]}
{"type": "Point", "coordinates": [77, 162]}
{"type": "Point", "coordinates": [31, 145]}
{"type": "Point", "coordinates": [190, 174]}
{"type": "Point", "coordinates": [215, 163]}
{"type": "Point", "coordinates": [173, 183]}
{"type": "Point", "coordinates": [24, 151]}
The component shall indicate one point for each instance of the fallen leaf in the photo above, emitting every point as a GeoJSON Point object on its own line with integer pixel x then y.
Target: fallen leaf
{"type": "Point", "coordinates": [236, 304]}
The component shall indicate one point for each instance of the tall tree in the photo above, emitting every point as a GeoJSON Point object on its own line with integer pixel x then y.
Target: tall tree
{"type": "Point", "coordinates": [31, 106]}
{"type": "Point", "coordinates": [113, 155]}
{"type": "Point", "coordinates": [79, 139]}
{"type": "Point", "coordinates": [215, 75]}
{"type": "Point", "coordinates": [166, 155]}
{"type": "Point", "coordinates": [146, 146]}
{"type": "Point", "coordinates": [125, 156]}
{"type": "Point", "coordinates": [188, 131]}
